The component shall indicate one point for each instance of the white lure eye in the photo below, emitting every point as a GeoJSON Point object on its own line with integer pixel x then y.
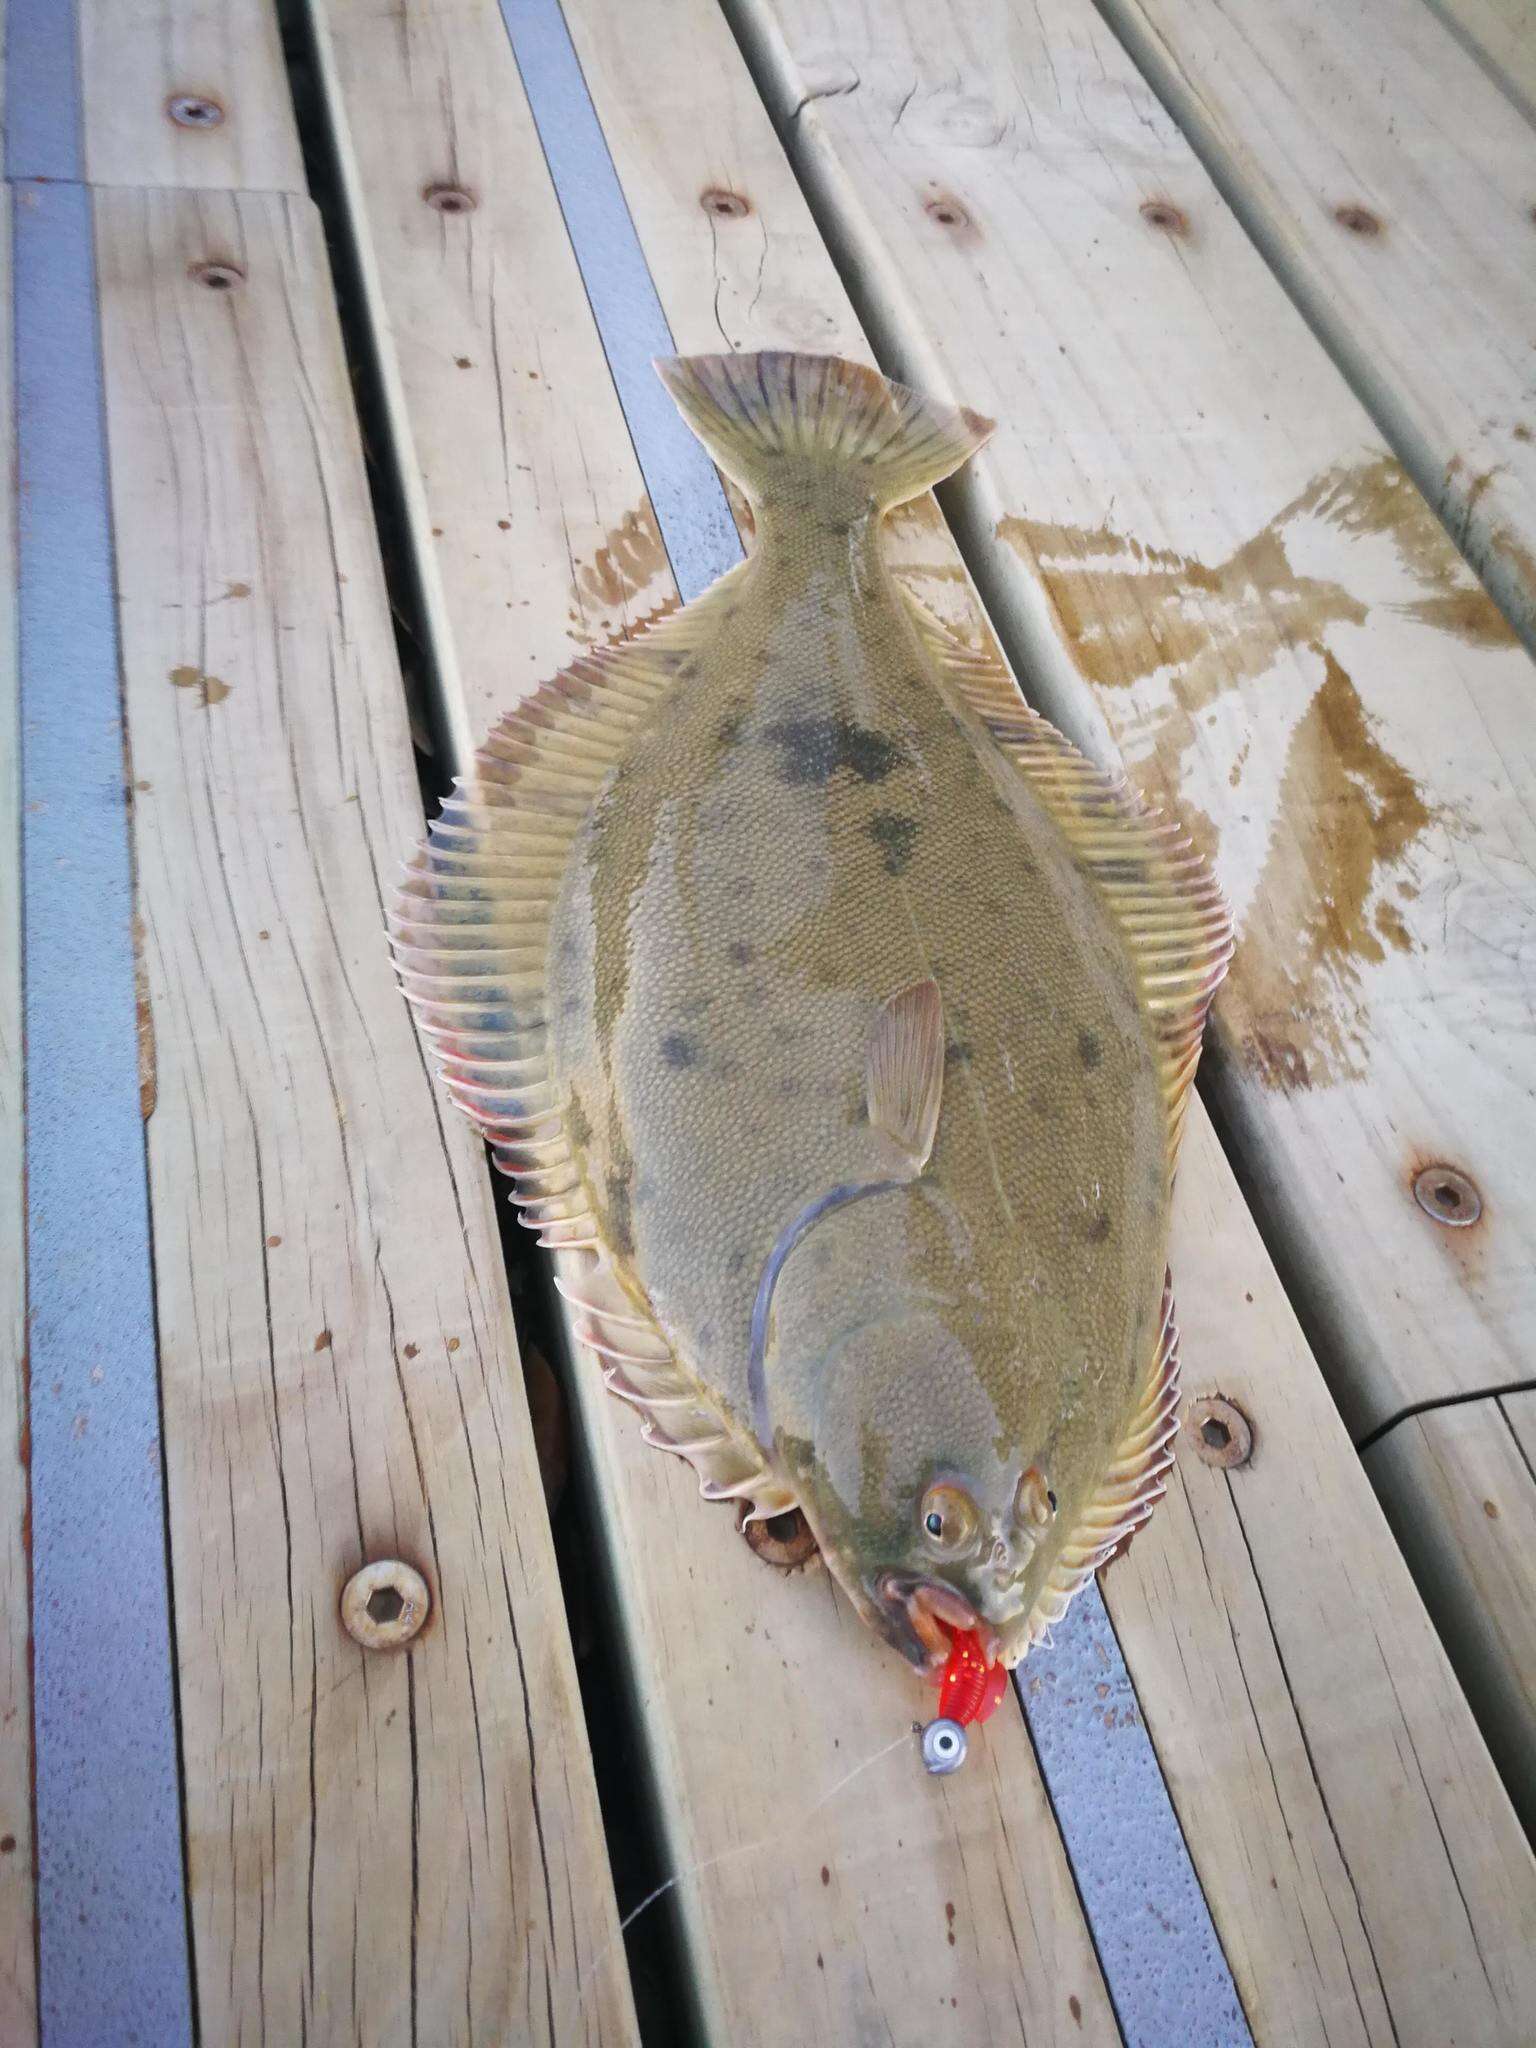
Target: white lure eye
{"type": "Point", "coordinates": [949, 1521]}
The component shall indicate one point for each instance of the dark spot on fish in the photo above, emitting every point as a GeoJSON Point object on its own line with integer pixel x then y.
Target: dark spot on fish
{"type": "Point", "coordinates": [1089, 1050]}
{"type": "Point", "coordinates": [739, 953]}
{"type": "Point", "coordinates": [896, 836]}
{"type": "Point", "coordinates": [728, 731]}
{"type": "Point", "coordinates": [957, 1053]}
{"type": "Point", "coordinates": [577, 1122]}
{"type": "Point", "coordinates": [1098, 1229]}
{"type": "Point", "coordinates": [735, 1262]}
{"type": "Point", "coordinates": [813, 750]}
{"type": "Point", "coordinates": [1041, 1103]}
{"type": "Point", "coordinates": [679, 1050]}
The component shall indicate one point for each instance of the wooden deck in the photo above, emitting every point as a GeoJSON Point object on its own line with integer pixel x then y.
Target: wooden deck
{"type": "Point", "coordinates": [1259, 522]}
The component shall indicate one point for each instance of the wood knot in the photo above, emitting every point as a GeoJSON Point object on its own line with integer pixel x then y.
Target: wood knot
{"type": "Point", "coordinates": [1162, 213]}
{"type": "Point", "coordinates": [1220, 1432]}
{"type": "Point", "coordinates": [725, 204]}
{"type": "Point", "coordinates": [384, 1606]}
{"type": "Point", "coordinates": [1357, 220]}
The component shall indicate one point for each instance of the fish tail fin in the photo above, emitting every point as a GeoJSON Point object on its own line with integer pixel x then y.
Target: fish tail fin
{"type": "Point", "coordinates": [756, 413]}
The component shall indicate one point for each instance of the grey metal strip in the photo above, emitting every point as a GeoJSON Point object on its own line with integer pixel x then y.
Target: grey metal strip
{"type": "Point", "coordinates": [686, 495]}
{"type": "Point", "coordinates": [1160, 1954]}
{"type": "Point", "coordinates": [43, 137]}
{"type": "Point", "coordinates": [112, 1919]}
{"type": "Point", "coordinates": [1159, 1951]}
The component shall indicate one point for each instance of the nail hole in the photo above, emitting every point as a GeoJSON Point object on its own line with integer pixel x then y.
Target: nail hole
{"type": "Point", "coordinates": [728, 205]}
{"type": "Point", "coordinates": [949, 213]}
{"type": "Point", "coordinates": [1357, 220]}
{"type": "Point", "coordinates": [1162, 213]}
{"type": "Point", "coordinates": [449, 199]}
{"type": "Point", "coordinates": [1221, 1433]}
{"type": "Point", "coordinates": [217, 277]}
{"type": "Point", "coordinates": [1447, 1194]}
{"type": "Point", "coordinates": [194, 110]}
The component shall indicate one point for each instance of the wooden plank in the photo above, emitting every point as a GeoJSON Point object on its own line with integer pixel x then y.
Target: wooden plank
{"type": "Point", "coordinates": [18, 1988]}
{"type": "Point", "coordinates": [386, 1849]}
{"type": "Point", "coordinates": [1289, 1748]}
{"type": "Point", "coordinates": [219, 63]}
{"type": "Point", "coordinates": [1459, 1488]}
{"type": "Point", "coordinates": [1188, 529]}
{"type": "Point", "coordinates": [1388, 180]}
{"type": "Point", "coordinates": [1502, 33]}
{"type": "Point", "coordinates": [816, 1909]}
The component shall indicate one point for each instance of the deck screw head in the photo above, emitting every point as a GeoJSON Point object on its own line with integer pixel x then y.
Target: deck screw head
{"type": "Point", "coordinates": [194, 110]}
{"type": "Point", "coordinates": [1357, 220]}
{"type": "Point", "coordinates": [1220, 1432]}
{"type": "Point", "coordinates": [728, 205]}
{"type": "Point", "coordinates": [949, 213]}
{"type": "Point", "coordinates": [216, 276]}
{"type": "Point", "coordinates": [449, 199]}
{"type": "Point", "coordinates": [384, 1605]}
{"type": "Point", "coordinates": [1162, 213]}
{"type": "Point", "coordinates": [1448, 1195]}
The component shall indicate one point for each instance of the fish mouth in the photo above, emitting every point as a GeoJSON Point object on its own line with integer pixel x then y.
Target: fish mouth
{"type": "Point", "coordinates": [922, 1609]}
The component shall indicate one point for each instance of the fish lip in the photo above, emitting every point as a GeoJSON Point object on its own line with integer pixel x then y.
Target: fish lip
{"type": "Point", "coordinates": [922, 1608]}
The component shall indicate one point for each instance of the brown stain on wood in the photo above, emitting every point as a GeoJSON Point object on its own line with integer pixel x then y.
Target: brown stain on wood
{"type": "Point", "coordinates": [631, 557]}
{"type": "Point", "coordinates": [148, 1073]}
{"type": "Point", "coordinates": [1349, 813]}
{"type": "Point", "coordinates": [211, 689]}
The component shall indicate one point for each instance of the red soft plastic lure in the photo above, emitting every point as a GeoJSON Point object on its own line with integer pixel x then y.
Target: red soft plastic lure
{"type": "Point", "coordinates": [969, 1690]}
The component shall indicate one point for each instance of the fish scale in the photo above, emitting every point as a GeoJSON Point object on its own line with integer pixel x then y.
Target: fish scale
{"type": "Point", "coordinates": [860, 1018]}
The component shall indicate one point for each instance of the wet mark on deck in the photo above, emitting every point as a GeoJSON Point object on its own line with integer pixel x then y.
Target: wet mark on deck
{"type": "Point", "coordinates": [1347, 814]}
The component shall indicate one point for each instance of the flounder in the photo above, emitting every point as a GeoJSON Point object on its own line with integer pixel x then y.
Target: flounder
{"type": "Point", "coordinates": [840, 1017]}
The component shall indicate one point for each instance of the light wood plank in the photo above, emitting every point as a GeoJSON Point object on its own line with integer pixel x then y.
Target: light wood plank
{"type": "Point", "coordinates": [1305, 1867]}
{"type": "Point", "coordinates": [18, 1988]}
{"type": "Point", "coordinates": [1459, 1488]}
{"type": "Point", "coordinates": [1190, 532]}
{"type": "Point", "coordinates": [136, 56]}
{"type": "Point", "coordinates": [817, 1910]}
{"type": "Point", "coordinates": [1309, 114]}
{"type": "Point", "coordinates": [380, 1849]}
{"type": "Point", "coordinates": [1503, 34]}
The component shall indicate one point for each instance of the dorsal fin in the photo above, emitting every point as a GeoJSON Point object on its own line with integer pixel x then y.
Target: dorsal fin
{"type": "Point", "coordinates": [1170, 910]}
{"type": "Point", "coordinates": [470, 926]}
{"type": "Point", "coordinates": [1131, 1488]}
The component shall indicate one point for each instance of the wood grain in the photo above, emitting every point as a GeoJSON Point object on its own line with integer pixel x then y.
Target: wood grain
{"type": "Point", "coordinates": [380, 1848]}
{"type": "Point", "coordinates": [18, 1988]}
{"type": "Point", "coordinates": [1388, 180]}
{"type": "Point", "coordinates": [136, 56]}
{"type": "Point", "coordinates": [741, 1677]}
{"type": "Point", "coordinates": [1459, 1488]}
{"type": "Point", "coordinates": [1502, 33]}
{"type": "Point", "coordinates": [815, 1909]}
{"type": "Point", "coordinates": [1192, 538]}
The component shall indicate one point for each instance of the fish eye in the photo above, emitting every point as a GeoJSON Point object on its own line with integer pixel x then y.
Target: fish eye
{"type": "Point", "coordinates": [1034, 1502]}
{"type": "Point", "coordinates": [949, 1520]}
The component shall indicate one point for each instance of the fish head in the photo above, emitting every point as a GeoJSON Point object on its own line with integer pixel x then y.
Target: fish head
{"type": "Point", "coordinates": [929, 1497]}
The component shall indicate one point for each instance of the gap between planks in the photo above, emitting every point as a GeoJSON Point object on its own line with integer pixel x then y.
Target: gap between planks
{"type": "Point", "coordinates": [529, 505]}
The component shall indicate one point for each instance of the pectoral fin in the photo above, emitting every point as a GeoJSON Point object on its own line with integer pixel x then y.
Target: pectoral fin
{"type": "Point", "coordinates": [905, 1070]}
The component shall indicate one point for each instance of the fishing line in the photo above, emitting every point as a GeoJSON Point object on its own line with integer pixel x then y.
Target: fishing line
{"type": "Point", "coordinates": [724, 1856]}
